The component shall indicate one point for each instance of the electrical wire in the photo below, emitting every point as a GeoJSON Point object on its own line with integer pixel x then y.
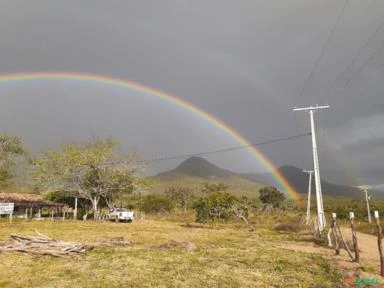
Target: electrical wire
{"type": "Point", "coordinates": [310, 76]}
{"type": "Point", "coordinates": [372, 36]}
{"type": "Point", "coordinates": [358, 71]}
{"type": "Point", "coordinates": [226, 149]}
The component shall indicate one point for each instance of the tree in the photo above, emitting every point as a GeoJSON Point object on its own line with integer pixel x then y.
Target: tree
{"type": "Point", "coordinates": [156, 204]}
{"type": "Point", "coordinates": [10, 149]}
{"type": "Point", "coordinates": [180, 195]}
{"type": "Point", "coordinates": [91, 170]}
{"type": "Point", "coordinates": [215, 206]}
{"type": "Point", "coordinates": [214, 187]}
{"type": "Point", "coordinates": [271, 195]}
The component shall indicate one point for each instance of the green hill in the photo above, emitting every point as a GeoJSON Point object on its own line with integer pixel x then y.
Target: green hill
{"type": "Point", "coordinates": [195, 172]}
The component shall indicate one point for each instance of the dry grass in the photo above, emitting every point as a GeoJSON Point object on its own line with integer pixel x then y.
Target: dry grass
{"type": "Point", "coordinates": [159, 254]}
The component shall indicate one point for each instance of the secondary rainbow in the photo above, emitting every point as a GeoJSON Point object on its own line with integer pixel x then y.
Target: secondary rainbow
{"type": "Point", "coordinates": [85, 77]}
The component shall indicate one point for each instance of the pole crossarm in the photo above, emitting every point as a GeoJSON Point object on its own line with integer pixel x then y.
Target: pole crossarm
{"type": "Point", "coordinates": [311, 108]}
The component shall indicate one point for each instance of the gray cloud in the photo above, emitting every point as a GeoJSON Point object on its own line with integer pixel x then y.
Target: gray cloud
{"type": "Point", "coordinates": [366, 145]}
{"type": "Point", "coordinates": [244, 62]}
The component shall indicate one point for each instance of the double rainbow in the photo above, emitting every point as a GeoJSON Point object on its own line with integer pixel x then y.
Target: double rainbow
{"type": "Point", "coordinates": [91, 78]}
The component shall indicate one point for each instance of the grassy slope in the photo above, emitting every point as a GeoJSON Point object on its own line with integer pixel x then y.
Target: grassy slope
{"type": "Point", "coordinates": [237, 185]}
{"type": "Point", "coordinates": [226, 256]}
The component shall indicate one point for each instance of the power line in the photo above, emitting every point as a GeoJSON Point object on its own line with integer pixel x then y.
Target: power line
{"type": "Point", "coordinates": [226, 149]}
{"type": "Point", "coordinates": [358, 71]}
{"type": "Point", "coordinates": [359, 53]}
{"type": "Point", "coordinates": [310, 76]}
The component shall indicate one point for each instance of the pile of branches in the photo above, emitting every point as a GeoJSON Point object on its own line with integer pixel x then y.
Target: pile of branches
{"type": "Point", "coordinates": [44, 245]}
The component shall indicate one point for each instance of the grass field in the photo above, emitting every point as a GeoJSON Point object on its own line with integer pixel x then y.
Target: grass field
{"type": "Point", "coordinates": [166, 253]}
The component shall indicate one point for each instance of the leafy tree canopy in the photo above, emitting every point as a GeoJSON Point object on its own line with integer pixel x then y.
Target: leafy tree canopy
{"type": "Point", "coordinates": [10, 148]}
{"type": "Point", "coordinates": [91, 170]}
{"type": "Point", "coordinates": [215, 206]}
{"type": "Point", "coordinates": [271, 195]}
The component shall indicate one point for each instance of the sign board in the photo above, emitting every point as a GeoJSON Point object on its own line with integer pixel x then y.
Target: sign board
{"type": "Point", "coordinates": [6, 208]}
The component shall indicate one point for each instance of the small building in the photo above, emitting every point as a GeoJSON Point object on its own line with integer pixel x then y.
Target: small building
{"type": "Point", "coordinates": [31, 205]}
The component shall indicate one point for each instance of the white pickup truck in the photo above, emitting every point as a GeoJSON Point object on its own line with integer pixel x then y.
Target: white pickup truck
{"type": "Point", "coordinates": [121, 214]}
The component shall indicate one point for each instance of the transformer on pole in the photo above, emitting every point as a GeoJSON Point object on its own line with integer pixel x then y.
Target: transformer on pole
{"type": "Point", "coordinates": [319, 196]}
{"type": "Point", "coordinates": [308, 218]}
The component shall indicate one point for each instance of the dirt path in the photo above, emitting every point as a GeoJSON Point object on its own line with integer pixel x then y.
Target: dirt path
{"type": "Point", "coordinates": [369, 254]}
{"type": "Point", "coordinates": [369, 257]}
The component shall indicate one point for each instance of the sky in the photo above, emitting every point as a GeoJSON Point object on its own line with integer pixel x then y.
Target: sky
{"type": "Point", "coordinates": [244, 62]}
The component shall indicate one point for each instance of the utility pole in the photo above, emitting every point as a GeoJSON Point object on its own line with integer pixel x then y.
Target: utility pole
{"type": "Point", "coordinates": [365, 190]}
{"type": "Point", "coordinates": [319, 196]}
{"type": "Point", "coordinates": [308, 219]}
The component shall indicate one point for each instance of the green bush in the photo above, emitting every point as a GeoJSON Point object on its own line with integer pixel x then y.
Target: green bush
{"type": "Point", "coordinates": [215, 206]}
{"type": "Point", "coordinates": [156, 204]}
{"type": "Point", "coordinates": [271, 195]}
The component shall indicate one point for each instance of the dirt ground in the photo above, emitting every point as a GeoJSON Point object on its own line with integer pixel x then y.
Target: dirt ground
{"type": "Point", "coordinates": [368, 268]}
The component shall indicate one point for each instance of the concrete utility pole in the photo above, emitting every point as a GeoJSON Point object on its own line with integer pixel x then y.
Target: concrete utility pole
{"type": "Point", "coordinates": [319, 196]}
{"type": "Point", "coordinates": [308, 219]}
{"type": "Point", "coordinates": [365, 190]}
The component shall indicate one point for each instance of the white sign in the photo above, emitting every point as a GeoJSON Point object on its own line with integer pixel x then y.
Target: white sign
{"type": "Point", "coordinates": [377, 214]}
{"type": "Point", "coordinates": [351, 215]}
{"type": "Point", "coordinates": [6, 208]}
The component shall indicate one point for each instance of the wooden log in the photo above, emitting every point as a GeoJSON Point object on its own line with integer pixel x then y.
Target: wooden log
{"type": "Point", "coordinates": [44, 245]}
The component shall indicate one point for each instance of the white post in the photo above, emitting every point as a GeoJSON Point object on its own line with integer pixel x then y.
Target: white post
{"type": "Point", "coordinates": [75, 211]}
{"type": "Point", "coordinates": [309, 196]}
{"type": "Point", "coordinates": [319, 196]}
{"type": "Point", "coordinates": [317, 175]}
{"type": "Point", "coordinates": [365, 190]}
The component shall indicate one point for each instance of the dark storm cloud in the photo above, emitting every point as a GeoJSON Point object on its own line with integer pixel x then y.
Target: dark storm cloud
{"type": "Point", "coordinates": [366, 145]}
{"type": "Point", "coordinates": [244, 62]}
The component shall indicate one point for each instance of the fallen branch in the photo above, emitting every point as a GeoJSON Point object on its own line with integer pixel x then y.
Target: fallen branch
{"type": "Point", "coordinates": [44, 245]}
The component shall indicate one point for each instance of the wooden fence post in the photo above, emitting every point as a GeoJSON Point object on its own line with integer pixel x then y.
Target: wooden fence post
{"type": "Point", "coordinates": [379, 244]}
{"type": "Point", "coordinates": [333, 227]}
{"type": "Point", "coordinates": [354, 238]}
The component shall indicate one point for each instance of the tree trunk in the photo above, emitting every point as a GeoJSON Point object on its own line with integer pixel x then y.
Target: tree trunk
{"type": "Point", "coordinates": [75, 211]}
{"type": "Point", "coordinates": [95, 203]}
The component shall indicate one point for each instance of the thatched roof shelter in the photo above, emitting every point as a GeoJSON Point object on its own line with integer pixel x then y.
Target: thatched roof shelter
{"type": "Point", "coordinates": [27, 200]}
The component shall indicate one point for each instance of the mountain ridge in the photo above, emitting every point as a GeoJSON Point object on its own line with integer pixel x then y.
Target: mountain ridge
{"type": "Point", "coordinates": [199, 169]}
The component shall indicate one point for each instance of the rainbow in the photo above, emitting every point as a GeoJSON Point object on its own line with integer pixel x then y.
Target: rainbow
{"type": "Point", "coordinates": [92, 78]}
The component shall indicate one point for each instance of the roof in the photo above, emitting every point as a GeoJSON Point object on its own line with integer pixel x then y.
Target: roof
{"type": "Point", "coordinates": [27, 199]}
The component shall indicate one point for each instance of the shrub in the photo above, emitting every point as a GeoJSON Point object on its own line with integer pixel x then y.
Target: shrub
{"type": "Point", "coordinates": [215, 206]}
{"type": "Point", "coordinates": [271, 195]}
{"type": "Point", "coordinates": [156, 204]}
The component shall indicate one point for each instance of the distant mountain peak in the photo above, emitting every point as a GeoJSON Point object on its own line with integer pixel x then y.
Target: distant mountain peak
{"type": "Point", "coordinates": [200, 167]}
